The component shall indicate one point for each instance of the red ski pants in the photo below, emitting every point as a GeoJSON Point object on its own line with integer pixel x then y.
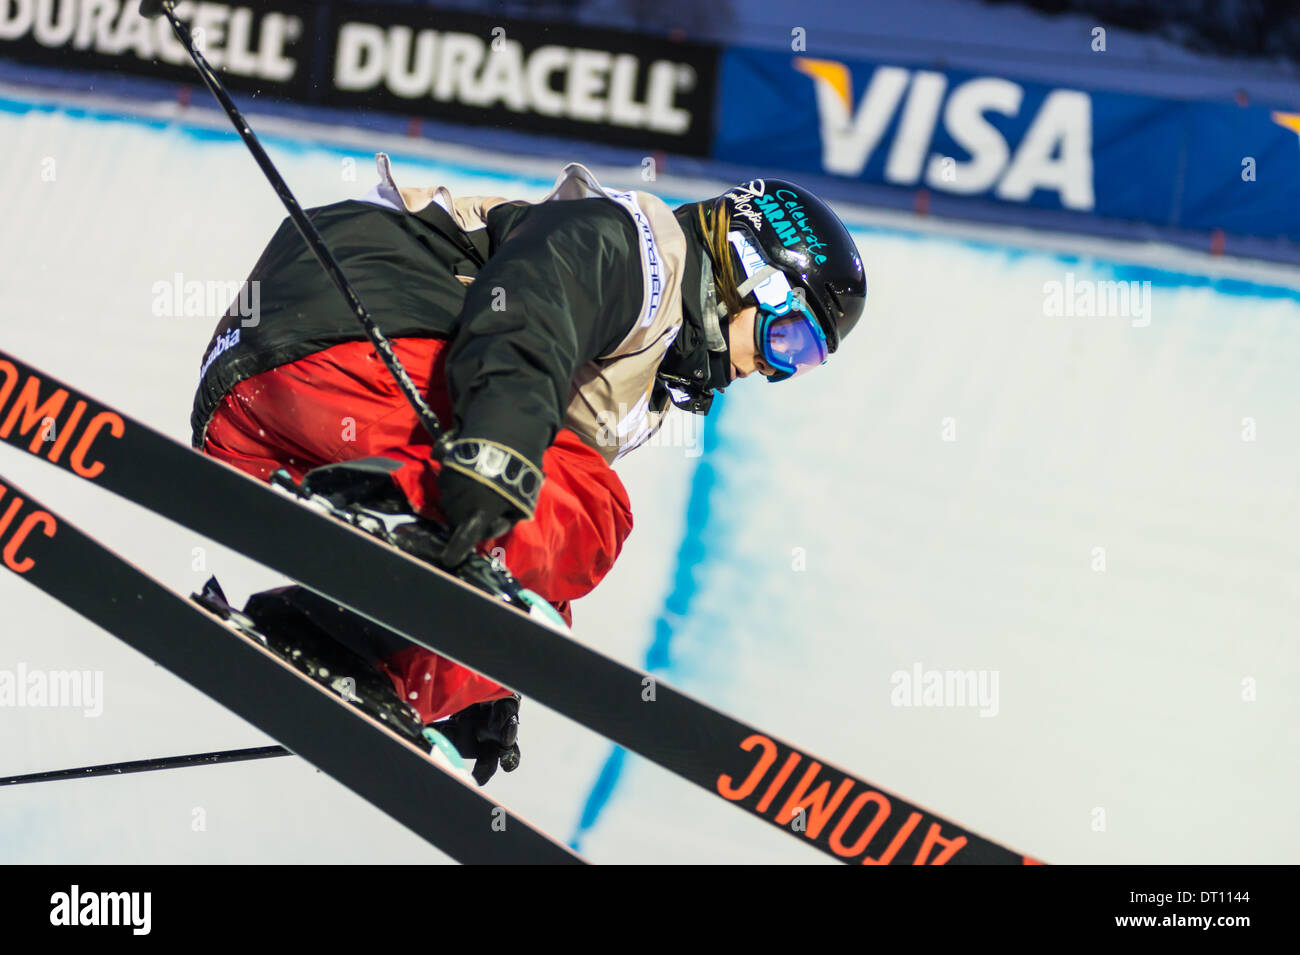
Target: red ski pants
{"type": "Point", "coordinates": [341, 404]}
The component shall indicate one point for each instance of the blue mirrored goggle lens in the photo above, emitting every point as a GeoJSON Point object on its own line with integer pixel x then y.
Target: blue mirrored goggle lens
{"type": "Point", "coordinates": [792, 342]}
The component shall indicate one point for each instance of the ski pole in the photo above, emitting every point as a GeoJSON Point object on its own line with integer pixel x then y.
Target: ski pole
{"type": "Point", "coordinates": [149, 765]}
{"type": "Point", "coordinates": [152, 9]}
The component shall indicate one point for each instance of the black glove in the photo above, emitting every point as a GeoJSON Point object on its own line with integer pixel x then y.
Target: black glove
{"type": "Point", "coordinates": [486, 733]}
{"type": "Point", "coordinates": [484, 489]}
{"type": "Point", "coordinates": [463, 497]}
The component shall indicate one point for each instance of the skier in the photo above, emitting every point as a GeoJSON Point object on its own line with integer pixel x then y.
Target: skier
{"type": "Point", "coordinates": [549, 337]}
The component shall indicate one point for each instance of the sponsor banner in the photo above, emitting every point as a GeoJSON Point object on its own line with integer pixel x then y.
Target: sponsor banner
{"type": "Point", "coordinates": [1168, 162]}
{"type": "Point", "coordinates": [617, 88]}
{"type": "Point", "coordinates": [263, 46]}
{"type": "Point", "coordinates": [621, 88]}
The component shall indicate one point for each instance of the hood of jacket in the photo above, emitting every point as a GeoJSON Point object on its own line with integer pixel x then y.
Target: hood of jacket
{"type": "Point", "coordinates": [698, 363]}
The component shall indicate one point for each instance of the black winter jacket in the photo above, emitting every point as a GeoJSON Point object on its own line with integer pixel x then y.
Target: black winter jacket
{"type": "Point", "coordinates": [556, 284]}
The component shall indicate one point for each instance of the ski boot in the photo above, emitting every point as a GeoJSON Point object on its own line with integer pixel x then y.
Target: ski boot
{"type": "Point", "coordinates": [362, 493]}
{"type": "Point", "coordinates": [483, 732]}
{"type": "Point", "coordinates": [278, 622]}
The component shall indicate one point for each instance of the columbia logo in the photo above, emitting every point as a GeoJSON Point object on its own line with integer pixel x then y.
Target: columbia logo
{"type": "Point", "coordinates": [223, 344]}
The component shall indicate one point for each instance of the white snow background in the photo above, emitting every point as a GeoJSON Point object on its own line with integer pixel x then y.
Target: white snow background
{"type": "Point", "coordinates": [835, 537]}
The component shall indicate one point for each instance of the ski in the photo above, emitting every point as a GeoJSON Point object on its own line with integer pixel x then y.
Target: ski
{"type": "Point", "coordinates": [823, 806]}
{"type": "Point", "coordinates": [220, 661]}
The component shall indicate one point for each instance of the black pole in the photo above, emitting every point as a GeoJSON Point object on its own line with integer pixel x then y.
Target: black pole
{"type": "Point", "coordinates": [149, 765]}
{"type": "Point", "coordinates": [152, 9]}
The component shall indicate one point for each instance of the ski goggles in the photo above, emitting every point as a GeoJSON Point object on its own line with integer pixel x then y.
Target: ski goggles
{"type": "Point", "coordinates": [786, 333]}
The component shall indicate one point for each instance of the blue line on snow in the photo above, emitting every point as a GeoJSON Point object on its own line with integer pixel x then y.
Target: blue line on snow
{"type": "Point", "coordinates": [692, 553]}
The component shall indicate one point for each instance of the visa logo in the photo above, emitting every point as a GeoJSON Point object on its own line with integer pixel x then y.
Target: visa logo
{"type": "Point", "coordinates": [1055, 152]}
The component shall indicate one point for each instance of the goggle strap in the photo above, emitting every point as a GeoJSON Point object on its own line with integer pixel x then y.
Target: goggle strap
{"type": "Point", "coordinates": [747, 286]}
{"type": "Point", "coordinates": [755, 280]}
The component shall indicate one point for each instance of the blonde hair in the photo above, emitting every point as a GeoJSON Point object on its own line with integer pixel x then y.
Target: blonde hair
{"type": "Point", "coordinates": [715, 223]}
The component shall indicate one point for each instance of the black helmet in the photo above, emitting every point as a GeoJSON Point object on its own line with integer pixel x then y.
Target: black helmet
{"type": "Point", "coordinates": [802, 237]}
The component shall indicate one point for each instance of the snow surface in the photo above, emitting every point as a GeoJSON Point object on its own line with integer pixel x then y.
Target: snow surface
{"type": "Point", "coordinates": [1121, 733]}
